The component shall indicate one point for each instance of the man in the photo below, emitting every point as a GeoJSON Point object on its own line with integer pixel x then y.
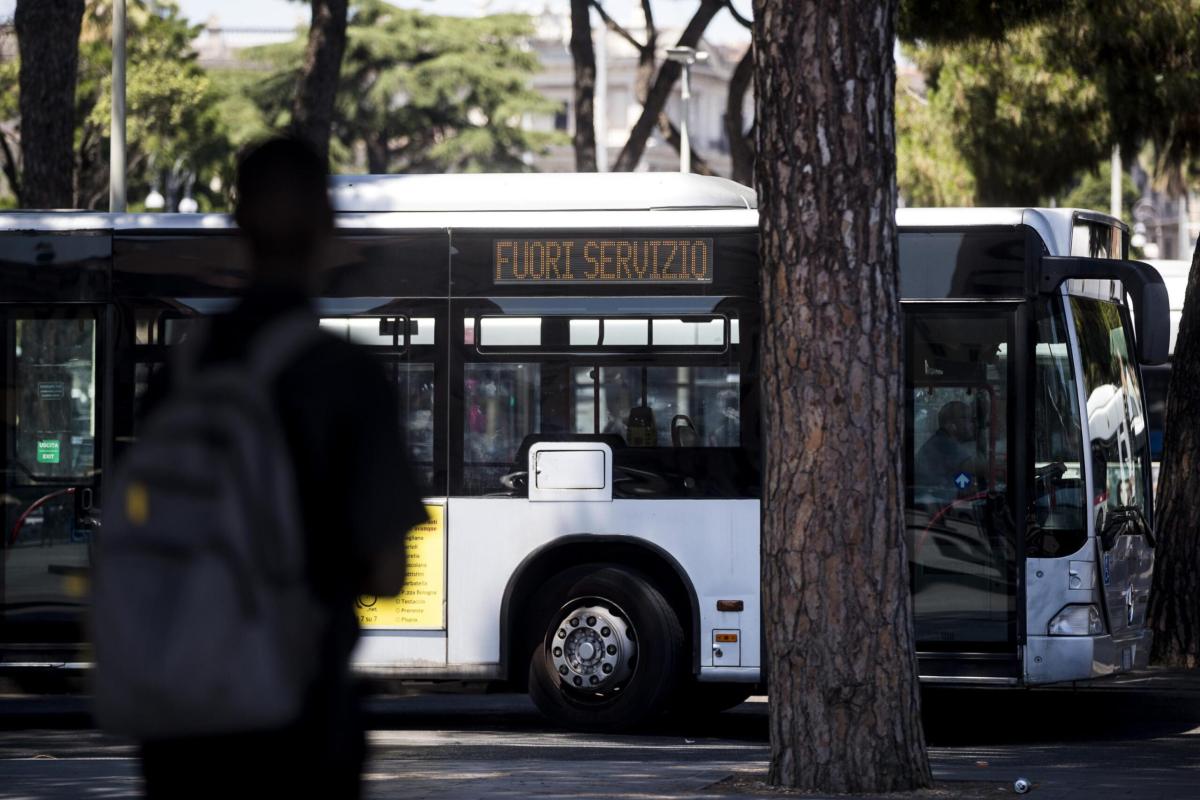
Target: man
{"type": "Point", "coordinates": [356, 494]}
{"type": "Point", "coordinates": [948, 453]}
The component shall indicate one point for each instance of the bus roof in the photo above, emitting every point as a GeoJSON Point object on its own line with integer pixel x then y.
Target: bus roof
{"type": "Point", "coordinates": [562, 191]}
{"type": "Point", "coordinates": [1053, 225]}
{"type": "Point", "coordinates": [552, 201]}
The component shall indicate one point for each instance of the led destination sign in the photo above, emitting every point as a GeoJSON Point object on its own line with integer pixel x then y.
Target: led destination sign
{"type": "Point", "coordinates": [594, 261]}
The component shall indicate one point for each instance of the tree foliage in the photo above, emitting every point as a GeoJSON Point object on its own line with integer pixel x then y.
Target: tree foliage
{"type": "Point", "coordinates": [1034, 93]}
{"type": "Point", "coordinates": [422, 93]}
{"type": "Point", "coordinates": [930, 171]}
{"type": "Point", "coordinates": [176, 136]}
{"type": "Point", "coordinates": [1023, 125]}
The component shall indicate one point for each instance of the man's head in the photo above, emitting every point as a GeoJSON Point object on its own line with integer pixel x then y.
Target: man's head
{"type": "Point", "coordinates": [283, 210]}
{"type": "Point", "coordinates": [955, 418]}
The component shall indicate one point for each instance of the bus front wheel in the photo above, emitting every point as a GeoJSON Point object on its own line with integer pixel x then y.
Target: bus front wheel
{"type": "Point", "coordinates": [607, 650]}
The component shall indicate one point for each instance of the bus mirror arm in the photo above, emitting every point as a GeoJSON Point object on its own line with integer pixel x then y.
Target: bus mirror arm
{"type": "Point", "coordinates": [1151, 306]}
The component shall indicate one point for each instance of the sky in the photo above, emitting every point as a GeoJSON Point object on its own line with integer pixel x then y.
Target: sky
{"type": "Point", "coordinates": [286, 13]}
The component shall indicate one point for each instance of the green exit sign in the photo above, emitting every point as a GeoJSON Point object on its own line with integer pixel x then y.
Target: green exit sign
{"type": "Point", "coordinates": [49, 451]}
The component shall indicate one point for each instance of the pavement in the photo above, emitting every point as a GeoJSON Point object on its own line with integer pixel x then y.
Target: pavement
{"type": "Point", "coordinates": [1134, 737]}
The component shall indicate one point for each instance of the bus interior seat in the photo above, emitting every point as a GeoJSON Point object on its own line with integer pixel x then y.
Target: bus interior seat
{"type": "Point", "coordinates": [683, 431]}
{"type": "Point", "coordinates": [641, 427]}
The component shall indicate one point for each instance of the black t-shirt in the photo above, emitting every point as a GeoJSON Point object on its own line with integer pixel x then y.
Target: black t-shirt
{"type": "Point", "coordinates": [340, 416]}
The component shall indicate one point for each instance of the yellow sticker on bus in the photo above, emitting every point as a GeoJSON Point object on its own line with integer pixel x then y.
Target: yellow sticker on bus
{"type": "Point", "coordinates": [422, 603]}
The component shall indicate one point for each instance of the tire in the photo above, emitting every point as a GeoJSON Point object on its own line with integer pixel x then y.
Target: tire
{"type": "Point", "coordinates": [606, 650]}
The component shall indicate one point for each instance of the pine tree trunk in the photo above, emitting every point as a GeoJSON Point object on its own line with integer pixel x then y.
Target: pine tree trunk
{"type": "Point", "coordinates": [312, 111]}
{"type": "Point", "coordinates": [845, 705]}
{"type": "Point", "coordinates": [1175, 600]}
{"type": "Point", "coordinates": [48, 40]}
{"type": "Point", "coordinates": [584, 56]}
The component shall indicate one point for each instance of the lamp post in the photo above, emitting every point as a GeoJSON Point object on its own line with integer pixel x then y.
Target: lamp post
{"type": "Point", "coordinates": [685, 56]}
{"type": "Point", "coordinates": [116, 150]}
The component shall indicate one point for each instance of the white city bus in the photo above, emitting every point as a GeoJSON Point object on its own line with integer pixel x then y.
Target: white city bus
{"type": "Point", "coordinates": [576, 357]}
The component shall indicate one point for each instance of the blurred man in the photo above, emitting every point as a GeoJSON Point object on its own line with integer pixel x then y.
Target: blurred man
{"type": "Point", "coordinates": [355, 493]}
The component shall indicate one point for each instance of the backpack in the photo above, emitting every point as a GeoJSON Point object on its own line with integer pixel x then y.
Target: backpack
{"type": "Point", "coordinates": [204, 621]}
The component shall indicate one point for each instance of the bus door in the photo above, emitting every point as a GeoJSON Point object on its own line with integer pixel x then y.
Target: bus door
{"type": "Point", "coordinates": [962, 536]}
{"type": "Point", "coordinates": [51, 367]}
{"type": "Point", "coordinates": [1120, 463]}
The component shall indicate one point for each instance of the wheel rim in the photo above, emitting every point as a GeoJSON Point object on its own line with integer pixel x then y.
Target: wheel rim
{"type": "Point", "coordinates": [593, 647]}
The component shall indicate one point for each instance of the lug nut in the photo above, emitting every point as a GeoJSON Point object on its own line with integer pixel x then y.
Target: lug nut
{"type": "Point", "coordinates": [558, 652]}
{"type": "Point", "coordinates": [605, 632]}
{"type": "Point", "coordinates": [562, 634]}
{"type": "Point", "coordinates": [593, 680]}
{"type": "Point", "coordinates": [612, 650]}
{"type": "Point", "coordinates": [574, 622]}
{"type": "Point", "coordinates": [578, 681]}
{"type": "Point", "coordinates": [591, 621]}
{"type": "Point", "coordinates": [607, 669]}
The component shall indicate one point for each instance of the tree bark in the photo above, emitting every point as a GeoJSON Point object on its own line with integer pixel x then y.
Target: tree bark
{"type": "Point", "coordinates": [48, 41]}
{"type": "Point", "coordinates": [584, 56]}
{"type": "Point", "coordinates": [656, 100]}
{"type": "Point", "coordinates": [1175, 599]}
{"type": "Point", "coordinates": [312, 111]}
{"type": "Point", "coordinates": [741, 143]}
{"type": "Point", "coordinates": [845, 705]}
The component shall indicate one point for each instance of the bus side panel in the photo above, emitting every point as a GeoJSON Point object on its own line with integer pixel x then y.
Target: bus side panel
{"type": "Point", "coordinates": [716, 542]}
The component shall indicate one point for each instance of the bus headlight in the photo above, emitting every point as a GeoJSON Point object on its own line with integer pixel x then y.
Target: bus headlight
{"type": "Point", "coordinates": [1077, 620]}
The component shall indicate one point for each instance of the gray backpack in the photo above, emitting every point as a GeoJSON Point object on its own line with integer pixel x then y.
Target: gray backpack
{"type": "Point", "coordinates": [204, 621]}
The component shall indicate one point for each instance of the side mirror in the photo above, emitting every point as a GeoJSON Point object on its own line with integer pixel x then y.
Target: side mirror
{"type": "Point", "coordinates": [1151, 305]}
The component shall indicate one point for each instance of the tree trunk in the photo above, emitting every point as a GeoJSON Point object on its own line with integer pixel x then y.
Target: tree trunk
{"type": "Point", "coordinates": [584, 56]}
{"type": "Point", "coordinates": [845, 705]}
{"type": "Point", "coordinates": [1175, 600]}
{"type": "Point", "coordinates": [741, 143]}
{"type": "Point", "coordinates": [656, 100]}
{"type": "Point", "coordinates": [48, 40]}
{"type": "Point", "coordinates": [378, 153]}
{"type": "Point", "coordinates": [312, 111]}
{"type": "Point", "coordinates": [647, 55]}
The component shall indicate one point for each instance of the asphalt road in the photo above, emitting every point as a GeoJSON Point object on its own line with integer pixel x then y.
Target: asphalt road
{"type": "Point", "coordinates": [1137, 739]}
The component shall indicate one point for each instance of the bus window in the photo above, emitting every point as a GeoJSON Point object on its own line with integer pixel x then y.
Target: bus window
{"type": "Point", "coordinates": [415, 390]}
{"type": "Point", "coordinates": [54, 386]}
{"type": "Point", "coordinates": [962, 546]}
{"type": "Point", "coordinates": [49, 461]}
{"type": "Point", "coordinates": [396, 340]}
{"type": "Point", "coordinates": [664, 392]}
{"type": "Point", "coordinates": [680, 406]}
{"type": "Point", "coordinates": [1058, 526]}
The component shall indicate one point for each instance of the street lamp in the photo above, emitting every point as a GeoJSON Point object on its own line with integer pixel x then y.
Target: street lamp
{"type": "Point", "coordinates": [685, 56]}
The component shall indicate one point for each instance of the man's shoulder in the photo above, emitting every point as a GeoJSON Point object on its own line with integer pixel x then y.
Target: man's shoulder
{"type": "Point", "coordinates": [331, 365]}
